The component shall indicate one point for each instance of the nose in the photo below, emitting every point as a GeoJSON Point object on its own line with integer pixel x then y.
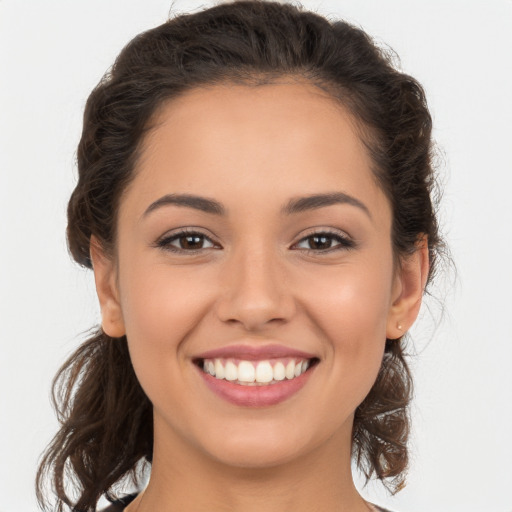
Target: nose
{"type": "Point", "coordinates": [254, 291]}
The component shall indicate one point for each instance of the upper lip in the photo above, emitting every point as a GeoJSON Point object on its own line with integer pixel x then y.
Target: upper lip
{"type": "Point", "coordinates": [254, 353]}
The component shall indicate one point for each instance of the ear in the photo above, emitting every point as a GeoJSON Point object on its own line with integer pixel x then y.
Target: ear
{"type": "Point", "coordinates": [106, 287]}
{"type": "Point", "coordinates": [410, 280]}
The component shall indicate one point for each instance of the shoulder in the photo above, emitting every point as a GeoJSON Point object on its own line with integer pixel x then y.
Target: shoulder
{"type": "Point", "coordinates": [119, 505]}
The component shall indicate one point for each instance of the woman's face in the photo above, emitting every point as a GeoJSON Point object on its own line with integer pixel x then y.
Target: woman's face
{"type": "Point", "coordinates": [285, 268]}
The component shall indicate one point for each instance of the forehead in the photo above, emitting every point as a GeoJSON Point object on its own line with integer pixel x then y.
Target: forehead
{"type": "Point", "coordinates": [258, 142]}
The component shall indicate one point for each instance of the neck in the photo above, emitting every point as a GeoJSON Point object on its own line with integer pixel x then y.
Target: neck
{"type": "Point", "coordinates": [186, 480]}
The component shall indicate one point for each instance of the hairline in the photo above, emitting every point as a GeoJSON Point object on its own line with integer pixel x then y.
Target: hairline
{"type": "Point", "coordinates": [337, 95]}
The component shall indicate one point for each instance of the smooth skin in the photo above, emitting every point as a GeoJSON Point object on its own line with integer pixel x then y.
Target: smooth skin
{"type": "Point", "coordinates": [255, 275]}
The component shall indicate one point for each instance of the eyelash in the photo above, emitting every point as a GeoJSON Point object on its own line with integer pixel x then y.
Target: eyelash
{"type": "Point", "coordinates": [344, 243]}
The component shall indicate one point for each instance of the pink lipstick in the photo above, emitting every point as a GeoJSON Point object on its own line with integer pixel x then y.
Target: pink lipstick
{"type": "Point", "coordinates": [258, 376]}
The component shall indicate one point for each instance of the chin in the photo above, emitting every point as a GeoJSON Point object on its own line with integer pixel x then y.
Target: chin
{"type": "Point", "coordinates": [256, 457]}
{"type": "Point", "coordinates": [264, 448]}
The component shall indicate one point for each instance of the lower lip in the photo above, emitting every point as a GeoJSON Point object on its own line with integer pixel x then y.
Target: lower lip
{"type": "Point", "coordinates": [256, 396]}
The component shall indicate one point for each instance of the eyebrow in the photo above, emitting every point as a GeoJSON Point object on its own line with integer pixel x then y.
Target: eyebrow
{"type": "Point", "coordinates": [301, 204]}
{"type": "Point", "coordinates": [189, 201]}
{"type": "Point", "coordinates": [295, 205]}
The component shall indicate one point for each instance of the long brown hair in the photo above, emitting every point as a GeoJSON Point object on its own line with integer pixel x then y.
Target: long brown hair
{"type": "Point", "coordinates": [106, 419]}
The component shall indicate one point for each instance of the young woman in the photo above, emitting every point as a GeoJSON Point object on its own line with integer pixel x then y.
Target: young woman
{"type": "Point", "coordinates": [254, 198]}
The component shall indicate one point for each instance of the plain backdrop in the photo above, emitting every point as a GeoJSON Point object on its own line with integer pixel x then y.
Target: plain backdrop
{"type": "Point", "coordinates": [52, 53]}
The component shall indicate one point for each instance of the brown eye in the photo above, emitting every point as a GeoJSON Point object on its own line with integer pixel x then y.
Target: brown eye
{"type": "Point", "coordinates": [320, 242]}
{"type": "Point", "coordinates": [325, 242]}
{"type": "Point", "coordinates": [191, 241]}
{"type": "Point", "coordinates": [185, 241]}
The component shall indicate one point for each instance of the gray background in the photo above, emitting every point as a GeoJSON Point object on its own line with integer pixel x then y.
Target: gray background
{"type": "Point", "coordinates": [52, 53]}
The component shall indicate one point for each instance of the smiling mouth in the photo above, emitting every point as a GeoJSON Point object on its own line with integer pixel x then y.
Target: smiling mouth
{"type": "Point", "coordinates": [256, 373]}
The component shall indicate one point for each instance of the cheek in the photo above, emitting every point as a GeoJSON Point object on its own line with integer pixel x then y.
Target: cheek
{"type": "Point", "coordinates": [352, 312]}
{"type": "Point", "coordinates": [353, 304]}
{"type": "Point", "coordinates": [161, 306]}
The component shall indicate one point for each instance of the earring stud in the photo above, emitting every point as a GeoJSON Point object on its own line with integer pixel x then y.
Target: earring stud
{"type": "Point", "coordinates": [399, 327]}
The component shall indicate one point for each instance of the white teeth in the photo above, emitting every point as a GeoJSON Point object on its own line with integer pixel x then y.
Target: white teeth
{"type": "Point", "coordinates": [290, 369]}
{"type": "Point", "coordinates": [246, 372]}
{"type": "Point", "coordinates": [230, 371]}
{"type": "Point", "coordinates": [219, 370]}
{"type": "Point", "coordinates": [264, 372]}
{"type": "Point", "coordinates": [279, 371]}
{"type": "Point", "coordinates": [209, 367]}
{"type": "Point", "coordinates": [255, 373]}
